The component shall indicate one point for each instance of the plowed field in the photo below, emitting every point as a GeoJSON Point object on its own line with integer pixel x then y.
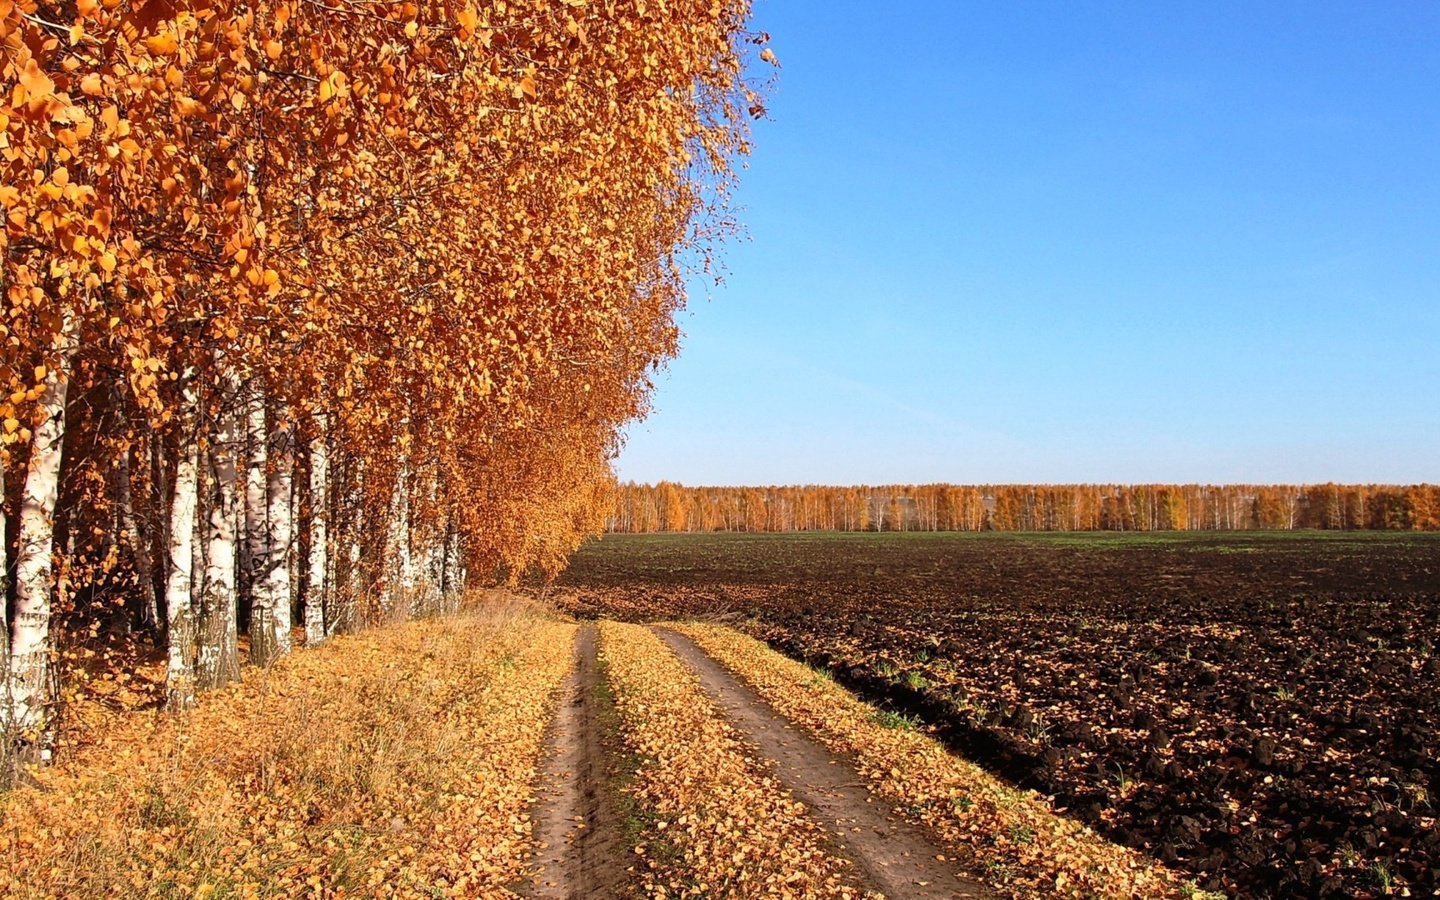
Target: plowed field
{"type": "Point", "coordinates": [1257, 710]}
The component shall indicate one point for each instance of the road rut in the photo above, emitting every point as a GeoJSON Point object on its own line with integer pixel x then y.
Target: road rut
{"type": "Point", "coordinates": [577, 830]}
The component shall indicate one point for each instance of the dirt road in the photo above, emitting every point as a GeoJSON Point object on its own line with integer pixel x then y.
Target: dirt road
{"type": "Point", "coordinates": [581, 834]}
{"type": "Point", "coordinates": [897, 858]}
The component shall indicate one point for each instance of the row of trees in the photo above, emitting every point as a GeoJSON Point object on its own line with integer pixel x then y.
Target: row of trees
{"type": "Point", "coordinates": [314, 308]}
{"type": "Point", "coordinates": [643, 508]}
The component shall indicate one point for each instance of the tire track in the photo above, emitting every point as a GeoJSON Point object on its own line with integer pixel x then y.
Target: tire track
{"type": "Point", "coordinates": [578, 832]}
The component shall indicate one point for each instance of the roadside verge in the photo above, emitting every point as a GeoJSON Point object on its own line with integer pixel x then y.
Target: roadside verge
{"type": "Point", "coordinates": [394, 762]}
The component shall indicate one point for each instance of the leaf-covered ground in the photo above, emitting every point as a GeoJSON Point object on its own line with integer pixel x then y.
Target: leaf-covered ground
{"type": "Point", "coordinates": [1255, 710]}
{"type": "Point", "coordinates": [712, 821]}
{"type": "Point", "coordinates": [395, 763]}
{"type": "Point", "coordinates": [405, 761]}
{"type": "Point", "coordinates": [1010, 836]}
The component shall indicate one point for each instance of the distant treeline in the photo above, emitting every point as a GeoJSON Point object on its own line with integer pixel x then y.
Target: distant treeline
{"type": "Point", "coordinates": [645, 508]}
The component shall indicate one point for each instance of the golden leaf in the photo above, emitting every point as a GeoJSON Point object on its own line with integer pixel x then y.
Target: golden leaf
{"type": "Point", "coordinates": [36, 82]}
{"type": "Point", "coordinates": [164, 44]}
{"type": "Point", "coordinates": [467, 19]}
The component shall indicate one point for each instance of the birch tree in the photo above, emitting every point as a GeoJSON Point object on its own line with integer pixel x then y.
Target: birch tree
{"type": "Point", "coordinates": [7, 708]}
{"type": "Point", "coordinates": [218, 660]}
{"type": "Point", "coordinates": [271, 609]}
{"type": "Point", "coordinates": [32, 691]}
{"type": "Point", "coordinates": [137, 540]}
{"type": "Point", "coordinates": [256, 536]}
{"type": "Point", "coordinates": [316, 572]}
{"type": "Point", "coordinates": [179, 611]}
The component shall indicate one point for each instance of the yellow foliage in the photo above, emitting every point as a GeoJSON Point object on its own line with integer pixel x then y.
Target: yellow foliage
{"type": "Point", "coordinates": [456, 231]}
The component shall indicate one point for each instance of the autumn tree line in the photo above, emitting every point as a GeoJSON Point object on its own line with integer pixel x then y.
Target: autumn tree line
{"type": "Point", "coordinates": [670, 507]}
{"type": "Point", "coordinates": [316, 311]}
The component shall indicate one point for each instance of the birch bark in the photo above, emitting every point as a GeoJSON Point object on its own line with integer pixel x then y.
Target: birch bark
{"type": "Point", "coordinates": [453, 587]}
{"type": "Point", "coordinates": [353, 522]}
{"type": "Point", "coordinates": [179, 611]}
{"type": "Point", "coordinates": [403, 542]}
{"type": "Point", "coordinates": [32, 688]}
{"type": "Point", "coordinates": [252, 584]}
{"type": "Point", "coordinates": [316, 584]}
{"type": "Point", "coordinates": [219, 657]}
{"type": "Point", "coordinates": [299, 482]}
{"type": "Point", "coordinates": [398, 569]}
{"type": "Point", "coordinates": [202, 513]}
{"type": "Point", "coordinates": [160, 542]}
{"type": "Point", "coordinates": [276, 586]}
{"type": "Point", "coordinates": [331, 608]}
{"type": "Point", "coordinates": [6, 703]}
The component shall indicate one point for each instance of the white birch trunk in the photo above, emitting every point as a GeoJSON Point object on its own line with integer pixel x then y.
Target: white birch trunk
{"type": "Point", "coordinates": [452, 586]}
{"type": "Point", "coordinates": [203, 486]}
{"type": "Point", "coordinates": [350, 614]}
{"type": "Point", "coordinates": [447, 579]}
{"type": "Point", "coordinates": [316, 584]}
{"type": "Point", "coordinates": [256, 543]}
{"type": "Point", "coordinates": [6, 703]}
{"type": "Point", "coordinates": [298, 484]}
{"type": "Point", "coordinates": [349, 523]}
{"type": "Point", "coordinates": [277, 552]}
{"type": "Point", "coordinates": [405, 538]}
{"type": "Point", "coordinates": [219, 657]}
{"type": "Point", "coordinates": [437, 571]}
{"type": "Point", "coordinates": [31, 686]}
{"type": "Point", "coordinates": [399, 571]}
{"type": "Point", "coordinates": [346, 527]}
{"type": "Point", "coordinates": [331, 607]}
{"type": "Point", "coordinates": [425, 548]}
{"type": "Point", "coordinates": [243, 563]}
{"type": "Point", "coordinates": [160, 541]}
{"type": "Point", "coordinates": [179, 611]}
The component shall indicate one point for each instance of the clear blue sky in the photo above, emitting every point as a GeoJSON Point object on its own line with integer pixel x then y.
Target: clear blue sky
{"type": "Point", "coordinates": [1060, 242]}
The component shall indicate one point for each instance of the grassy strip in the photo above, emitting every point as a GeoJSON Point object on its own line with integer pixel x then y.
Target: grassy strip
{"type": "Point", "coordinates": [394, 763]}
{"type": "Point", "coordinates": [1010, 836]}
{"type": "Point", "coordinates": [710, 821]}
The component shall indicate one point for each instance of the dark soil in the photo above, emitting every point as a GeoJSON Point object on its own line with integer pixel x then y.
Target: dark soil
{"type": "Point", "coordinates": [1258, 710]}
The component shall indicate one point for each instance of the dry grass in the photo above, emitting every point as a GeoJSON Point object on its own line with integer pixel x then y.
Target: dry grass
{"type": "Point", "coordinates": [396, 762]}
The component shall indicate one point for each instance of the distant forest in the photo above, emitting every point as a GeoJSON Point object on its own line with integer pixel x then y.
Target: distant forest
{"type": "Point", "coordinates": [670, 507]}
